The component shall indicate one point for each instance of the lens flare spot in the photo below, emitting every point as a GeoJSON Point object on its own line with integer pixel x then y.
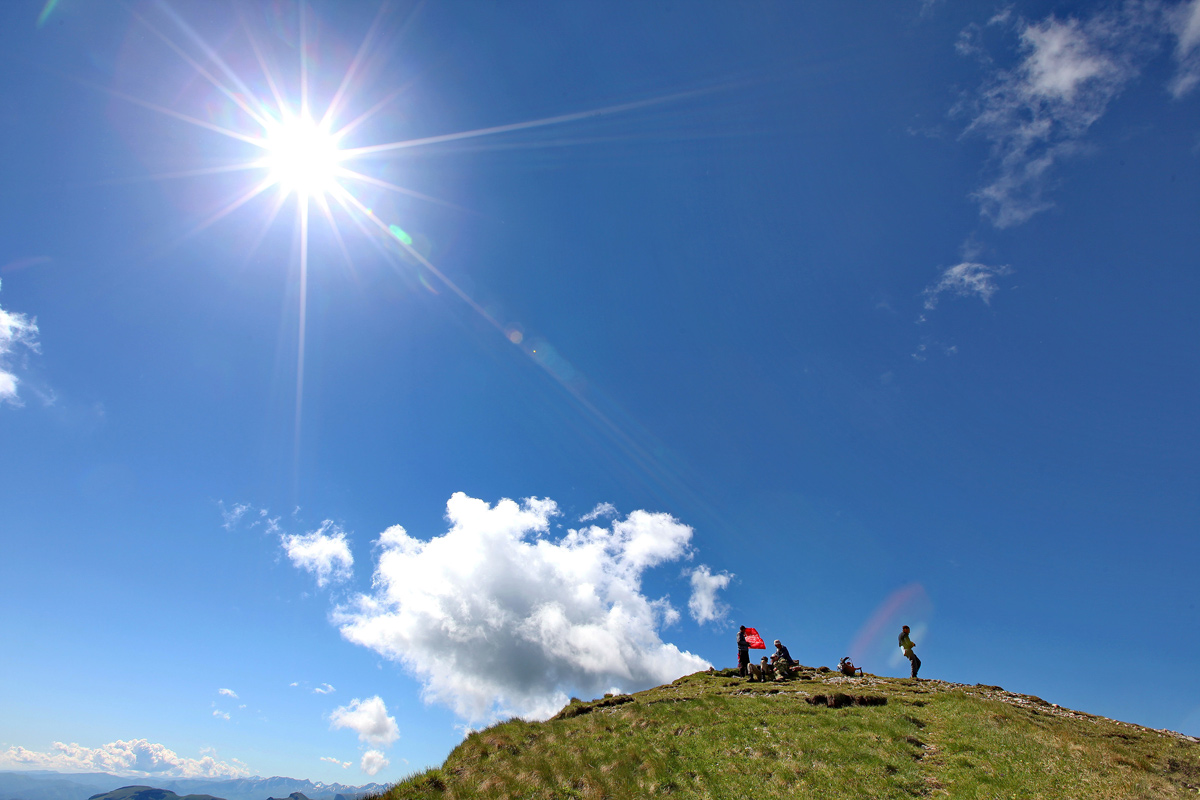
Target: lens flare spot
{"type": "Point", "coordinates": [875, 645]}
{"type": "Point", "coordinates": [399, 233]}
{"type": "Point", "coordinates": [515, 336]}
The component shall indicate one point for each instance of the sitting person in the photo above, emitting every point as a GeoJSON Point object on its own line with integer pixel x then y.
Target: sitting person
{"type": "Point", "coordinates": [782, 658]}
{"type": "Point", "coordinates": [846, 666]}
{"type": "Point", "coordinates": [767, 671]}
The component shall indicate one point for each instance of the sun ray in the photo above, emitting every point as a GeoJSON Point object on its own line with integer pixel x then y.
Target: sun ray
{"type": "Point", "coordinates": [341, 132]}
{"type": "Point", "coordinates": [200, 69]}
{"type": "Point", "coordinates": [520, 126]}
{"type": "Point", "coordinates": [205, 48]}
{"type": "Point", "coordinates": [451, 285]}
{"type": "Point", "coordinates": [323, 202]}
{"type": "Point", "coordinates": [303, 60]}
{"type": "Point", "coordinates": [638, 454]}
{"type": "Point", "coordinates": [185, 173]}
{"type": "Point", "coordinates": [232, 206]}
{"type": "Point", "coordinates": [302, 212]}
{"type": "Point", "coordinates": [352, 70]}
{"type": "Point", "coordinates": [359, 176]}
{"type": "Point", "coordinates": [137, 101]}
{"type": "Point", "coordinates": [280, 105]}
{"type": "Point", "coordinates": [280, 198]}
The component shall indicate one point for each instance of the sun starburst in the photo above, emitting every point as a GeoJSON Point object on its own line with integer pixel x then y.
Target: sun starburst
{"type": "Point", "coordinates": [301, 156]}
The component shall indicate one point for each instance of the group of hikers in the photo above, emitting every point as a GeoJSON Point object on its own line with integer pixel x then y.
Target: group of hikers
{"type": "Point", "coordinates": [782, 665]}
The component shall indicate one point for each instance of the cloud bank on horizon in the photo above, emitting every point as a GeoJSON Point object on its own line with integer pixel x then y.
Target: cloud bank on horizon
{"type": "Point", "coordinates": [497, 618]}
{"type": "Point", "coordinates": [130, 758]}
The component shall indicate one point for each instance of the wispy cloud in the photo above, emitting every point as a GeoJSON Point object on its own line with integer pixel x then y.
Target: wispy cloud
{"type": "Point", "coordinates": [965, 279]}
{"type": "Point", "coordinates": [342, 764]}
{"type": "Point", "coordinates": [1185, 24]}
{"type": "Point", "coordinates": [230, 517]}
{"type": "Point", "coordinates": [369, 719]}
{"type": "Point", "coordinates": [703, 604]}
{"type": "Point", "coordinates": [228, 693]}
{"type": "Point", "coordinates": [324, 688]}
{"type": "Point", "coordinates": [18, 337]}
{"type": "Point", "coordinates": [219, 714]}
{"type": "Point", "coordinates": [373, 761]}
{"type": "Point", "coordinates": [606, 510]}
{"type": "Point", "coordinates": [496, 618]}
{"type": "Point", "coordinates": [131, 758]}
{"type": "Point", "coordinates": [324, 552]}
{"type": "Point", "coordinates": [1036, 114]}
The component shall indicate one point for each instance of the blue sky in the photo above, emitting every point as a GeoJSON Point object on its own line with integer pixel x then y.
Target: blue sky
{"type": "Point", "coordinates": [831, 317]}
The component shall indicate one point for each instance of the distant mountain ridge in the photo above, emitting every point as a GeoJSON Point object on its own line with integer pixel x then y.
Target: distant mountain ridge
{"type": "Point", "coordinates": [149, 793]}
{"type": "Point", "coordinates": [49, 785]}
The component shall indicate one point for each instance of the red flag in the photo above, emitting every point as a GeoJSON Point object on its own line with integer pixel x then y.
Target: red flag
{"type": "Point", "coordinates": [754, 640]}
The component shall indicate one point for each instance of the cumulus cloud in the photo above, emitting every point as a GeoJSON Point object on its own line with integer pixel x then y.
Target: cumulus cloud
{"type": "Point", "coordinates": [703, 604]}
{"type": "Point", "coordinates": [496, 618]}
{"type": "Point", "coordinates": [323, 552]}
{"type": "Point", "coordinates": [965, 279]}
{"type": "Point", "coordinates": [368, 718]}
{"type": "Point", "coordinates": [1036, 114]}
{"type": "Point", "coordinates": [228, 693]}
{"type": "Point", "coordinates": [219, 714]}
{"type": "Point", "coordinates": [373, 761]}
{"type": "Point", "coordinates": [132, 758]}
{"type": "Point", "coordinates": [18, 333]}
{"type": "Point", "coordinates": [342, 764]}
{"type": "Point", "coordinates": [1185, 24]}
{"type": "Point", "coordinates": [324, 688]}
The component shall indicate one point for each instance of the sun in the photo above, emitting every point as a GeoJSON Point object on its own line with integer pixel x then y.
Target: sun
{"type": "Point", "coordinates": [302, 156]}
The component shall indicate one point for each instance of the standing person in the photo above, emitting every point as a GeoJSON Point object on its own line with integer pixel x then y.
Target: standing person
{"type": "Point", "coordinates": [743, 652]}
{"type": "Point", "coordinates": [906, 644]}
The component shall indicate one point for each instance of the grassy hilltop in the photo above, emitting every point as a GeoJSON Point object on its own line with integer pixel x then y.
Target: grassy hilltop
{"type": "Point", "coordinates": [824, 735]}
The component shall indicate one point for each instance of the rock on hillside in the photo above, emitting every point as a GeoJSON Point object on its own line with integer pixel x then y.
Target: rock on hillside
{"type": "Point", "coordinates": [715, 735]}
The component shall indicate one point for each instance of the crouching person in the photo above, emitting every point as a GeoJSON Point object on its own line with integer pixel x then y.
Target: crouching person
{"type": "Point", "coordinates": [782, 661]}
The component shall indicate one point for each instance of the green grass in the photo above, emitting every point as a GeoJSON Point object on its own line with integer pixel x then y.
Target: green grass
{"type": "Point", "coordinates": [714, 736]}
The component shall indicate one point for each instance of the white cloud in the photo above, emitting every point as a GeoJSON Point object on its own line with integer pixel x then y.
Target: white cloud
{"type": "Point", "coordinates": [228, 693]}
{"type": "Point", "coordinates": [495, 618]}
{"type": "Point", "coordinates": [135, 757]}
{"type": "Point", "coordinates": [16, 331]}
{"type": "Point", "coordinates": [324, 552]}
{"type": "Point", "coordinates": [294, 683]}
{"type": "Point", "coordinates": [231, 516]}
{"type": "Point", "coordinates": [324, 688]}
{"type": "Point", "coordinates": [601, 510]}
{"type": "Point", "coordinates": [373, 761]}
{"type": "Point", "coordinates": [1185, 24]}
{"type": "Point", "coordinates": [965, 279]}
{"type": "Point", "coordinates": [342, 764]}
{"type": "Point", "coordinates": [703, 604]}
{"type": "Point", "coordinates": [219, 714]}
{"type": "Point", "coordinates": [369, 718]}
{"type": "Point", "coordinates": [1036, 114]}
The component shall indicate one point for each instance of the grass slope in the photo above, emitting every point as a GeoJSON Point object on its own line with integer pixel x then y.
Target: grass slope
{"type": "Point", "coordinates": [718, 736]}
